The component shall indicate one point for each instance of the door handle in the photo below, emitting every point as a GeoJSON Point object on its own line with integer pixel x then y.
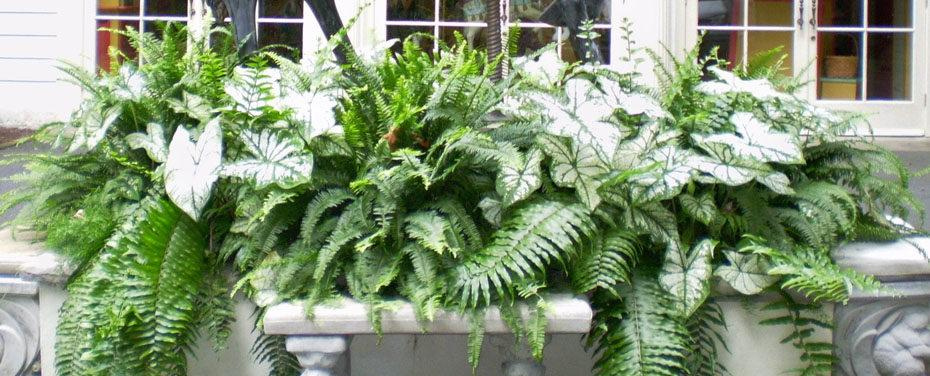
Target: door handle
{"type": "Point", "coordinates": [813, 14]}
{"type": "Point", "coordinates": [800, 14]}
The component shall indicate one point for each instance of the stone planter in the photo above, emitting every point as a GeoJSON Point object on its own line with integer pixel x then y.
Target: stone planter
{"type": "Point", "coordinates": [875, 334]}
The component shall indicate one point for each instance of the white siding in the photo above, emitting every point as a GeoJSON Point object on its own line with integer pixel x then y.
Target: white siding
{"type": "Point", "coordinates": [35, 37]}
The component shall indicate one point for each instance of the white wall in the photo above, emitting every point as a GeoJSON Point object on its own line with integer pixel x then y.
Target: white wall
{"type": "Point", "coordinates": [34, 36]}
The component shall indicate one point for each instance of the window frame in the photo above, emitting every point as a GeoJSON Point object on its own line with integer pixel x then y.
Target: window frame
{"type": "Point", "coordinates": [140, 18]}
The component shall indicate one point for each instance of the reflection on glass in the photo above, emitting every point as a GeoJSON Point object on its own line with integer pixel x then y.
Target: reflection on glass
{"type": "Point", "coordinates": [838, 66]}
{"type": "Point", "coordinates": [761, 42]}
{"type": "Point", "coordinates": [771, 12]}
{"type": "Point", "coordinates": [475, 36]}
{"type": "Point", "coordinates": [173, 8]}
{"type": "Point", "coordinates": [532, 10]}
{"type": "Point", "coordinates": [414, 32]}
{"type": "Point", "coordinates": [534, 39]}
{"type": "Point", "coordinates": [281, 9]}
{"type": "Point", "coordinates": [411, 10]}
{"type": "Point", "coordinates": [282, 36]}
{"type": "Point", "coordinates": [839, 13]}
{"type": "Point", "coordinates": [109, 40]}
{"type": "Point", "coordinates": [720, 13]}
{"type": "Point", "coordinates": [603, 42]}
{"type": "Point", "coordinates": [728, 46]}
{"type": "Point", "coordinates": [221, 13]}
{"type": "Point", "coordinates": [118, 7]}
{"type": "Point", "coordinates": [890, 13]}
{"type": "Point", "coordinates": [463, 11]}
{"type": "Point", "coordinates": [889, 66]}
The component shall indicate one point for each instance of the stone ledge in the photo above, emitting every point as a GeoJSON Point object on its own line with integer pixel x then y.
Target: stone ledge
{"type": "Point", "coordinates": [567, 314]}
{"type": "Point", "coordinates": [906, 258]}
{"type": "Point", "coordinates": [23, 256]}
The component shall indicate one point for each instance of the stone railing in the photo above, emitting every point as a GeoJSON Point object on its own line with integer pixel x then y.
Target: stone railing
{"type": "Point", "coordinates": [880, 334]}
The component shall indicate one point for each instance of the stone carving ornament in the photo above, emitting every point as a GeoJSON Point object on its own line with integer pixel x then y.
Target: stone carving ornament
{"type": "Point", "coordinates": [19, 335]}
{"type": "Point", "coordinates": [883, 338]}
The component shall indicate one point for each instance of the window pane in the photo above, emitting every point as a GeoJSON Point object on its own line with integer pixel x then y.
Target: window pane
{"type": "Point", "coordinates": [720, 13]}
{"type": "Point", "coordinates": [765, 41]}
{"type": "Point", "coordinates": [222, 14]}
{"type": "Point", "coordinates": [840, 13]}
{"type": "Point", "coordinates": [402, 32]}
{"type": "Point", "coordinates": [176, 8]}
{"type": "Point", "coordinates": [838, 66]}
{"type": "Point", "coordinates": [889, 66]}
{"type": "Point", "coordinates": [729, 45]}
{"type": "Point", "coordinates": [281, 9]}
{"type": "Point", "coordinates": [771, 12]}
{"type": "Point", "coordinates": [118, 7]}
{"type": "Point", "coordinates": [463, 11]}
{"type": "Point", "coordinates": [890, 13]}
{"type": "Point", "coordinates": [533, 10]}
{"type": "Point", "coordinates": [281, 34]}
{"type": "Point", "coordinates": [534, 39]}
{"type": "Point", "coordinates": [475, 36]}
{"type": "Point", "coordinates": [107, 40]}
{"type": "Point", "coordinates": [569, 54]}
{"type": "Point", "coordinates": [158, 27]}
{"type": "Point", "coordinates": [414, 10]}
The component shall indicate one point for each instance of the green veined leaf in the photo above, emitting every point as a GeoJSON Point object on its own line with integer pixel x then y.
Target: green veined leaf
{"type": "Point", "coordinates": [631, 152]}
{"type": "Point", "coordinates": [575, 165]}
{"type": "Point", "coordinates": [152, 142]}
{"type": "Point", "coordinates": [520, 178]}
{"type": "Point", "coordinates": [92, 127]}
{"type": "Point", "coordinates": [701, 208]}
{"type": "Point", "coordinates": [747, 273]}
{"type": "Point", "coordinates": [191, 169]}
{"type": "Point", "coordinates": [276, 161]}
{"type": "Point", "coordinates": [491, 209]}
{"type": "Point", "coordinates": [757, 141]}
{"type": "Point", "coordinates": [732, 170]}
{"type": "Point", "coordinates": [687, 275]}
{"type": "Point", "coordinates": [674, 168]}
{"type": "Point", "coordinates": [193, 106]}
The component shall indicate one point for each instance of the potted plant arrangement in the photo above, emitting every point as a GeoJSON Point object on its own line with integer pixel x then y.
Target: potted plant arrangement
{"type": "Point", "coordinates": [420, 176]}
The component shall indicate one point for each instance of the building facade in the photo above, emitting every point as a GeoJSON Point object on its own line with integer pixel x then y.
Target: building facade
{"type": "Point", "coordinates": [862, 55]}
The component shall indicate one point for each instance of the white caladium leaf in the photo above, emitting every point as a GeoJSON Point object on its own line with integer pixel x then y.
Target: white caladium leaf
{"type": "Point", "coordinates": [92, 127]}
{"type": "Point", "coordinates": [687, 275]}
{"type": "Point", "coordinates": [702, 207]}
{"type": "Point", "coordinates": [582, 118]}
{"type": "Point", "coordinates": [276, 161]}
{"type": "Point", "coordinates": [153, 142]}
{"type": "Point", "coordinates": [547, 68]}
{"type": "Point", "coordinates": [191, 169]}
{"type": "Point", "coordinates": [729, 169]}
{"type": "Point", "coordinates": [491, 209]}
{"type": "Point", "coordinates": [757, 140]}
{"type": "Point", "coordinates": [631, 152]}
{"type": "Point", "coordinates": [730, 83]}
{"type": "Point", "coordinates": [315, 113]}
{"type": "Point", "coordinates": [130, 84]}
{"type": "Point", "coordinates": [747, 273]}
{"type": "Point", "coordinates": [575, 165]}
{"type": "Point", "coordinates": [519, 178]}
{"type": "Point", "coordinates": [632, 103]}
{"type": "Point", "coordinates": [192, 105]}
{"type": "Point", "coordinates": [668, 169]}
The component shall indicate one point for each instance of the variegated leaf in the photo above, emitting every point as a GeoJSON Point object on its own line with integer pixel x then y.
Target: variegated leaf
{"type": "Point", "coordinates": [491, 209]}
{"type": "Point", "coordinates": [275, 161]}
{"type": "Point", "coordinates": [520, 178]}
{"type": "Point", "coordinates": [701, 208]}
{"type": "Point", "coordinates": [93, 127]}
{"type": "Point", "coordinates": [671, 169]}
{"type": "Point", "coordinates": [757, 140]}
{"type": "Point", "coordinates": [747, 273]}
{"type": "Point", "coordinates": [732, 170]}
{"type": "Point", "coordinates": [152, 142]}
{"type": "Point", "coordinates": [687, 275]}
{"type": "Point", "coordinates": [191, 169]}
{"type": "Point", "coordinates": [575, 165]}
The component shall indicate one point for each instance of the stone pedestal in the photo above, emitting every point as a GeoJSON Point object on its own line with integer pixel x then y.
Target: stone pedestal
{"type": "Point", "coordinates": [518, 358]}
{"type": "Point", "coordinates": [321, 355]}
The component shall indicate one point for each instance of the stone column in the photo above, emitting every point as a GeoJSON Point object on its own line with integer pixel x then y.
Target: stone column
{"type": "Point", "coordinates": [518, 359]}
{"type": "Point", "coordinates": [321, 355]}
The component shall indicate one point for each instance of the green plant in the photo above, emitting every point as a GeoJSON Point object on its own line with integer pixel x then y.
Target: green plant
{"type": "Point", "coordinates": [416, 174]}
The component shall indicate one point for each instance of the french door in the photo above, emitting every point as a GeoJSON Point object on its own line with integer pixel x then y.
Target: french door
{"type": "Point", "coordinates": [867, 56]}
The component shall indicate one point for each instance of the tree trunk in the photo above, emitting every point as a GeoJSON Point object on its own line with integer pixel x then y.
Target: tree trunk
{"type": "Point", "coordinates": [328, 17]}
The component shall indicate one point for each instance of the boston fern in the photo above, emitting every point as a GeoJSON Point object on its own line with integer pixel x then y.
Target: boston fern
{"type": "Point", "coordinates": [425, 176]}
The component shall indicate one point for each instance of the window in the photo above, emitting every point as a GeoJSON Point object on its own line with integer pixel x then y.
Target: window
{"type": "Point", "coordinates": [537, 20]}
{"type": "Point", "coordinates": [144, 15]}
{"type": "Point", "coordinates": [740, 29]}
{"type": "Point", "coordinates": [279, 23]}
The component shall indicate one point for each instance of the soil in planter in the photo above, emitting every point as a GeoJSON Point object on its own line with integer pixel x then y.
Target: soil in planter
{"type": "Point", "coordinates": [9, 136]}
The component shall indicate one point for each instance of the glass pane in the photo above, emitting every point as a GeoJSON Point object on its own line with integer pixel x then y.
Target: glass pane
{"type": "Point", "coordinates": [403, 32]}
{"type": "Point", "coordinates": [889, 66]}
{"type": "Point", "coordinates": [534, 39]}
{"type": "Point", "coordinates": [414, 10]}
{"type": "Point", "coordinates": [281, 9]}
{"type": "Point", "coordinates": [166, 8]}
{"type": "Point", "coordinates": [462, 11]}
{"type": "Point", "coordinates": [118, 7]}
{"type": "Point", "coordinates": [728, 44]}
{"type": "Point", "coordinates": [720, 13]}
{"type": "Point", "coordinates": [771, 12]}
{"type": "Point", "coordinates": [761, 42]}
{"type": "Point", "coordinates": [551, 11]}
{"type": "Point", "coordinates": [569, 54]}
{"type": "Point", "coordinates": [109, 40]}
{"type": "Point", "coordinates": [890, 13]}
{"type": "Point", "coordinates": [222, 14]}
{"type": "Point", "coordinates": [282, 34]}
{"type": "Point", "coordinates": [838, 66]}
{"type": "Point", "coordinates": [158, 27]}
{"type": "Point", "coordinates": [839, 13]}
{"type": "Point", "coordinates": [475, 36]}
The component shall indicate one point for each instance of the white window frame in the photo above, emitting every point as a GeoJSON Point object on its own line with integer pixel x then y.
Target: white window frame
{"type": "Point", "coordinates": [140, 18]}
